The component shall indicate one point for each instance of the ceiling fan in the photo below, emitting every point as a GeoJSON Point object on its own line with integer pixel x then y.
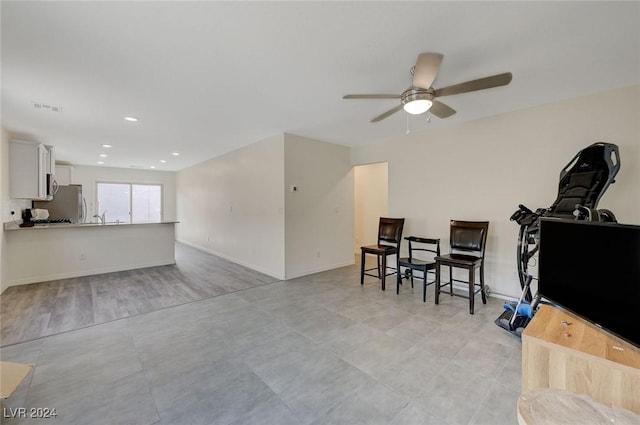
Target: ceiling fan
{"type": "Point", "coordinates": [421, 96]}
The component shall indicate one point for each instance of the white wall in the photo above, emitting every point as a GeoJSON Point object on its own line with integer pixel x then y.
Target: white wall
{"type": "Point", "coordinates": [4, 203]}
{"type": "Point", "coordinates": [88, 176]}
{"type": "Point", "coordinates": [319, 214]}
{"type": "Point", "coordinates": [240, 206]}
{"type": "Point", "coordinates": [233, 206]}
{"type": "Point", "coordinates": [371, 199]}
{"type": "Point", "coordinates": [484, 169]}
{"type": "Point", "coordinates": [6, 206]}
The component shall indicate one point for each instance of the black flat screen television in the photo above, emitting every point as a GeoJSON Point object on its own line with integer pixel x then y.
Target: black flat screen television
{"type": "Point", "coordinates": [593, 270]}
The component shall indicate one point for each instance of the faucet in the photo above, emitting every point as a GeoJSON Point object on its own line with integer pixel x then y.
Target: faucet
{"type": "Point", "coordinates": [102, 218]}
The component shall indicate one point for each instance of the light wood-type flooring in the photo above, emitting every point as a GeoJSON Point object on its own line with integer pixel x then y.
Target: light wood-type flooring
{"type": "Point", "coordinates": [242, 349]}
{"type": "Point", "coordinates": [48, 308]}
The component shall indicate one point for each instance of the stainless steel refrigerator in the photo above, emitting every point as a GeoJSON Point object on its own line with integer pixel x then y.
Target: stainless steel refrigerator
{"type": "Point", "coordinates": [67, 203]}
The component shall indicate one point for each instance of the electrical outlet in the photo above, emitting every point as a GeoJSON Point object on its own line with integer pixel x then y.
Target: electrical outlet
{"type": "Point", "coordinates": [83, 257]}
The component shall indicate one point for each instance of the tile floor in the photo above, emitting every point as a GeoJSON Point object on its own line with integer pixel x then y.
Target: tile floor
{"type": "Point", "coordinates": [320, 349]}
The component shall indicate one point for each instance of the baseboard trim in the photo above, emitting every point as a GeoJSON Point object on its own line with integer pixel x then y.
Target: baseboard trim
{"type": "Point", "coordinates": [262, 270]}
{"type": "Point", "coordinates": [90, 272]}
{"type": "Point", "coordinates": [234, 260]}
{"type": "Point", "coordinates": [320, 270]}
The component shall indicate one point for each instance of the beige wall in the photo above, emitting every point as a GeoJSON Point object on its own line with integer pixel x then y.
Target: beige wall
{"type": "Point", "coordinates": [240, 206]}
{"type": "Point", "coordinates": [233, 206]}
{"type": "Point", "coordinates": [319, 214]}
{"type": "Point", "coordinates": [371, 198]}
{"type": "Point", "coordinates": [483, 169]}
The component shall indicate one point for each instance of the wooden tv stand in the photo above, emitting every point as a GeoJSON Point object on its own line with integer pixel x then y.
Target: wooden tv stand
{"type": "Point", "coordinates": [563, 351]}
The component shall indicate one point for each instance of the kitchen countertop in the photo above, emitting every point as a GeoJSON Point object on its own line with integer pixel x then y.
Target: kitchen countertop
{"type": "Point", "coordinates": [13, 226]}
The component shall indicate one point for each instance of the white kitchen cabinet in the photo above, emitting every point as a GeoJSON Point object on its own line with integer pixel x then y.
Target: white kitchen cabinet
{"type": "Point", "coordinates": [64, 175]}
{"type": "Point", "coordinates": [31, 168]}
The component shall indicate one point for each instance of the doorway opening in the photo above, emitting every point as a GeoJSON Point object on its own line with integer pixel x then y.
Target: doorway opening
{"type": "Point", "coordinates": [371, 201]}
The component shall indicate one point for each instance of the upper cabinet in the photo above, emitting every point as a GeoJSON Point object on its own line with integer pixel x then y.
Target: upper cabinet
{"type": "Point", "coordinates": [31, 170]}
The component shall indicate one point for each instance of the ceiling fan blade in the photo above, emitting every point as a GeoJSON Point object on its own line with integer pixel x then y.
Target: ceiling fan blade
{"type": "Point", "coordinates": [426, 69]}
{"type": "Point", "coordinates": [386, 114]}
{"type": "Point", "coordinates": [441, 110]}
{"type": "Point", "coordinates": [473, 85]}
{"type": "Point", "coordinates": [371, 96]}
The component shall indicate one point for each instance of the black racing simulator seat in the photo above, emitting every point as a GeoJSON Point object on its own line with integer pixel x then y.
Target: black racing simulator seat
{"type": "Point", "coordinates": [583, 181]}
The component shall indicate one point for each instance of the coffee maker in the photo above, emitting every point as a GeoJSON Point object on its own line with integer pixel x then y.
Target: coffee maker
{"type": "Point", "coordinates": [26, 218]}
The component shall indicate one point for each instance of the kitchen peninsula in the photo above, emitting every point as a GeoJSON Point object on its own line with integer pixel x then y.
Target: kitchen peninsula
{"type": "Point", "coordinates": [57, 251]}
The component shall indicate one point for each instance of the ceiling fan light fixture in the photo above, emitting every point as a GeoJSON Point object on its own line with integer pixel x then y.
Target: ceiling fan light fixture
{"type": "Point", "coordinates": [418, 106]}
{"type": "Point", "coordinates": [417, 101]}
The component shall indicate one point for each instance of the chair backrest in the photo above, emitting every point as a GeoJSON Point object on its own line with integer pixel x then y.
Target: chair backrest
{"type": "Point", "coordinates": [423, 247]}
{"type": "Point", "coordinates": [585, 178]}
{"type": "Point", "coordinates": [390, 231]}
{"type": "Point", "coordinates": [469, 236]}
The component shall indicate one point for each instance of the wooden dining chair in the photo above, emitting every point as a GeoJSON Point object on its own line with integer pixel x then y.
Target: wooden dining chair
{"type": "Point", "coordinates": [467, 240]}
{"type": "Point", "coordinates": [389, 239]}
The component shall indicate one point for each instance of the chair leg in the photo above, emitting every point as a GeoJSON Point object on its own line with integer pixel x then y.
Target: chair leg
{"type": "Point", "coordinates": [362, 268]}
{"type": "Point", "coordinates": [450, 281]}
{"type": "Point", "coordinates": [484, 296]}
{"type": "Point", "coordinates": [424, 285]}
{"type": "Point", "coordinates": [378, 260]}
{"type": "Point", "coordinates": [384, 270]}
{"type": "Point", "coordinates": [472, 287]}
{"type": "Point", "coordinates": [398, 282]}
{"type": "Point", "coordinates": [437, 284]}
{"type": "Point", "coordinates": [398, 267]}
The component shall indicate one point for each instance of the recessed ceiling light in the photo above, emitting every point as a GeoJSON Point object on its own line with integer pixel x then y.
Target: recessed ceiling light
{"type": "Point", "coordinates": [163, 161]}
{"type": "Point", "coordinates": [152, 166]}
{"type": "Point", "coordinates": [100, 162]}
{"type": "Point", "coordinates": [106, 146]}
{"type": "Point", "coordinates": [103, 155]}
{"type": "Point", "coordinates": [175, 153]}
{"type": "Point", "coordinates": [131, 119]}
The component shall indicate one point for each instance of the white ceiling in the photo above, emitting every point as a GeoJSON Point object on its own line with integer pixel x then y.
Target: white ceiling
{"type": "Point", "coordinates": [206, 78]}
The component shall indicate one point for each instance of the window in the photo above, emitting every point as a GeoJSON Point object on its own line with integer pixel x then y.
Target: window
{"type": "Point", "coordinates": [129, 202]}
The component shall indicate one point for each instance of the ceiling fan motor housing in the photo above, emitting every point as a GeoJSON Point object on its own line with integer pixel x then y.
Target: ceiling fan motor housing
{"type": "Point", "coordinates": [415, 93]}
